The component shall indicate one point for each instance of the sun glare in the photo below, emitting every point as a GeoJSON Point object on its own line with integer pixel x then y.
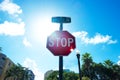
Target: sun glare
{"type": "Point", "coordinates": [71, 49]}
{"type": "Point", "coordinates": [43, 27]}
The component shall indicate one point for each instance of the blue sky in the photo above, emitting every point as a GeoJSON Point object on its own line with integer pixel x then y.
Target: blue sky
{"type": "Point", "coordinates": [25, 25]}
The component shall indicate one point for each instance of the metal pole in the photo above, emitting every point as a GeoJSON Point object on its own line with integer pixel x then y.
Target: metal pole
{"type": "Point", "coordinates": [60, 67]}
{"type": "Point", "coordinates": [78, 57]}
{"type": "Point", "coordinates": [61, 27]}
{"type": "Point", "coordinates": [61, 20]}
{"type": "Point", "coordinates": [61, 59]}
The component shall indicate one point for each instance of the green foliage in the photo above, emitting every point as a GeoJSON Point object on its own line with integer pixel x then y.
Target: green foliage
{"type": "Point", "coordinates": [70, 76]}
{"type": "Point", "coordinates": [87, 69]}
{"type": "Point", "coordinates": [102, 71]}
{"type": "Point", "coordinates": [53, 76]}
{"type": "Point", "coordinates": [0, 49]}
{"type": "Point", "coordinates": [17, 71]}
{"type": "Point", "coordinates": [85, 78]}
{"type": "Point", "coordinates": [66, 76]}
{"type": "Point", "coordinates": [92, 70]}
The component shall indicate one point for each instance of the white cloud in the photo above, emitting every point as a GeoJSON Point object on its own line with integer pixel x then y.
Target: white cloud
{"type": "Point", "coordinates": [118, 62]}
{"type": "Point", "coordinates": [27, 43]}
{"type": "Point", "coordinates": [97, 39]}
{"type": "Point", "coordinates": [12, 29]}
{"type": "Point", "coordinates": [112, 41]}
{"type": "Point", "coordinates": [31, 64]}
{"type": "Point", "coordinates": [10, 8]}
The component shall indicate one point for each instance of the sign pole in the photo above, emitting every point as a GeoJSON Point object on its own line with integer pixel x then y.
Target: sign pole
{"type": "Point", "coordinates": [61, 20]}
{"type": "Point", "coordinates": [60, 67]}
{"type": "Point", "coordinates": [61, 59]}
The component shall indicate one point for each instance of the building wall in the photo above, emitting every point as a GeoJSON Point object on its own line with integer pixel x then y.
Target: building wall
{"type": "Point", "coordinates": [2, 62]}
{"type": "Point", "coordinates": [31, 75]}
{"type": "Point", "coordinates": [5, 64]}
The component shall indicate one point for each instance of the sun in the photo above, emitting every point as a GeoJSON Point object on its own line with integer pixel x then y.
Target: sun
{"type": "Point", "coordinates": [42, 27]}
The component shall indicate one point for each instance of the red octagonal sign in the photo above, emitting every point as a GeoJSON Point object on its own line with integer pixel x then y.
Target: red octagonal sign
{"type": "Point", "coordinates": [60, 43]}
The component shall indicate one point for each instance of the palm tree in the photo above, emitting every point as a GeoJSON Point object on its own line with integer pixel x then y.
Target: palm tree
{"type": "Point", "coordinates": [87, 65]}
{"type": "Point", "coordinates": [18, 72]}
{"type": "Point", "coordinates": [108, 63]}
{"type": "Point", "coordinates": [87, 59]}
{"type": "Point", "coordinates": [99, 71]}
{"type": "Point", "coordinates": [0, 48]}
{"type": "Point", "coordinates": [116, 70]}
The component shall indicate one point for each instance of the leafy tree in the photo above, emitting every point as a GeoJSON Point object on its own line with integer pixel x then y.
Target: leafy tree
{"type": "Point", "coordinates": [87, 60]}
{"type": "Point", "coordinates": [53, 76]}
{"type": "Point", "coordinates": [70, 76]}
{"type": "Point", "coordinates": [85, 78]}
{"type": "Point", "coordinates": [108, 63]}
{"type": "Point", "coordinates": [0, 49]}
{"type": "Point", "coordinates": [18, 72]}
{"type": "Point", "coordinates": [92, 70]}
{"type": "Point", "coordinates": [112, 71]}
{"type": "Point", "coordinates": [116, 72]}
{"type": "Point", "coordinates": [87, 65]}
{"type": "Point", "coordinates": [99, 71]}
{"type": "Point", "coordinates": [66, 76]}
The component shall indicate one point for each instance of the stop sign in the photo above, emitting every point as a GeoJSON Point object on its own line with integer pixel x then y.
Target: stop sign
{"type": "Point", "coordinates": [60, 43]}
